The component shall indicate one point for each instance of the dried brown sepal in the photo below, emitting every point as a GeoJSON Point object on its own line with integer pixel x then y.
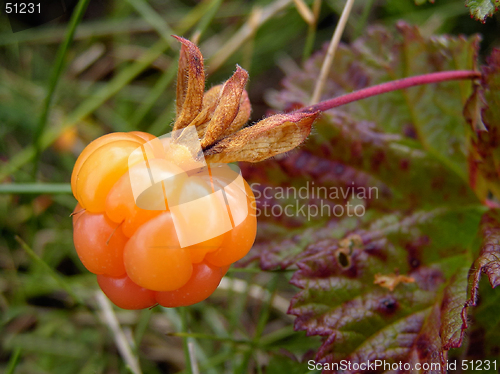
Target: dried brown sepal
{"type": "Point", "coordinates": [210, 101]}
{"type": "Point", "coordinates": [241, 118]}
{"type": "Point", "coordinates": [271, 136]}
{"type": "Point", "coordinates": [391, 281]}
{"type": "Point", "coordinates": [220, 113]}
{"type": "Point", "coordinates": [190, 84]}
{"type": "Point", "coordinates": [227, 109]}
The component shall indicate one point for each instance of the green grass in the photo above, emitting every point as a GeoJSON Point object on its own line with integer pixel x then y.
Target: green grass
{"type": "Point", "coordinates": [49, 317]}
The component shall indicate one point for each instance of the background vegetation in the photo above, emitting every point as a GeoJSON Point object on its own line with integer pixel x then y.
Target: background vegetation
{"type": "Point", "coordinates": [119, 75]}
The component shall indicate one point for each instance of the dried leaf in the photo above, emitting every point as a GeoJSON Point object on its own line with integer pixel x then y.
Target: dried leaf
{"type": "Point", "coordinates": [227, 108]}
{"type": "Point", "coordinates": [271, 136]}
{"type": "Point", "coordinates": [242, 117]}
{"type": "Point", "coordinates": [391, 281]}
{"type": "Point", "coordinates": [210, 102]}
{"type": "Point", "coordinates": [190, 84]}
{"type": "Point", "coordinates": [484, 157]}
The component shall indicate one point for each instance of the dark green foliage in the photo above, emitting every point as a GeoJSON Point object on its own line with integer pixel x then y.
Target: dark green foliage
{"type": "Point", "coordinates": [429, 216]}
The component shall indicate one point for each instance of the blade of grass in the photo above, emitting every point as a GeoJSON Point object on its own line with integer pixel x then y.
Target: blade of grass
{"type": "Point", "coordinates": [101, 96]}
{"type": "Point", "coordinates": [320, 83]}
{"type": "Point", "coordinates": [363, 19]}
{"type": "Point", "coordinates": [311, 31]}
{"type": "Point", "coordinates": [192, 356]}
{"type": "Point", "coordinates": [173, 315]}
{"type": "Point", "coordinates": [35, 188]}
{"type": "Point", "coordinates": [304, 11]}
{"type": "Point", "coordinates": [266, 309]}
{"type": "Point", "coordinates": [55, 75]}
{"type": "Point", "coordinates": [213, 337]}
{"type": "Point", "coordinates": [168, 76]}
{"type": "Point", "coordinates": [87, 30]}
{"type": "Point", "coordinates": [213, 7]}
{"type": "Point", "coordinates": [244, 33]}
{"type": "Point", "coordinates": [185, 343]}
{"type": "Point", "coordinates": [165, 79]}
{"type": "Point", "coordinates": [239, 301]}
{"type": "Point", "coordinates": [86, 108]}
{"type": "Point", "coordinates": [214, 361]}
{"type": "Point", "coordinates": [49, 270]}
{"type": "Point", "coordinates": [276, 336]}
{"type": "Point", "coordinates": [154, 19]}
{"type": "Point", "coordinates": [261, 324]}
{"type": "Point", "coordinates": [238, 309]}
{"type": "Point", "coordinates": [141, 327]}
{"type": "Point", "coordinates": [97, 29]}
{"type": "Point", "coordinates": [193, 17]}
{"type": "Point", "coordinates": [109, 318]}
{"type": "Point", "coordinates": [256, 359]}
{"type": "Point", "coordinates": [14, 360]}
{"type": "Point", "coordinates": [249, 46]}
{"type": "Point", "coordinates": [164, 122]}
{"type": "Point", "coordinates": [254, 291]}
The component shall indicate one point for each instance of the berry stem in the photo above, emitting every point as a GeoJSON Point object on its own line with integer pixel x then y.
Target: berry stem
{"type": "Point", "coordinates": [390, 86]}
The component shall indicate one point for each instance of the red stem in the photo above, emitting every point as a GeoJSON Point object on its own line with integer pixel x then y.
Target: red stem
{"type": "Point", "coordinates": [390, 86]}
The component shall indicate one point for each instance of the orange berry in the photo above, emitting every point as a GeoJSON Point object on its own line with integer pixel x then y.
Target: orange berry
{"type": "Point", "coordinates": [202, 284]}
{"type": "Point", "coordinates": [92, 147]}
{"type": "Point", "coordinates": [154, 258]}
{"type": "Point", "coordinates": [200, 250]}
{"type": "Point", "coordinates": [126, 294]}
{"type": "Point", "coordinates": [158, 227]}
{"type": "Point", "coordinates": [98, 243]}
{"type": "Point", "coordinates": [237, 242]}
{"type": "Point", "coordinates": [101, 171]}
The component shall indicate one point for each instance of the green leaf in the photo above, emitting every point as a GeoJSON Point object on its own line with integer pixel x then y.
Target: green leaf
{"type": "Point", "coordinates": [453, 324]}
{"type": "Point", "coordinates": [361, 320]}
{"type": "Point", "coordinates": [484, 332]}
{"type": "Point", "coordinates": [484, 107]}
{"type": "Point", "coordinates": [370, 144]}
{"type": "Point", "coordinates": [431, 114]}
{"type": "Point", "coordinates": [482, 9]}
{"type": "Point", "coordinates": [289, 246]}
{"type": "Point", "coordinates": [488, 261]}
{"type": "Point", "coordinates": [392, 283]}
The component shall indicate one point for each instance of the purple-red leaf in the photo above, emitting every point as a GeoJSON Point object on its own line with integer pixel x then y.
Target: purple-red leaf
{"type": "Point", "coordinates": [488, 261]}
{"type": "Point", "coordinates": [484, 157]}
{"type": "Point", "coordinates": [390, 284]}
{"type": "Point", "coordinates": [342, 300]}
